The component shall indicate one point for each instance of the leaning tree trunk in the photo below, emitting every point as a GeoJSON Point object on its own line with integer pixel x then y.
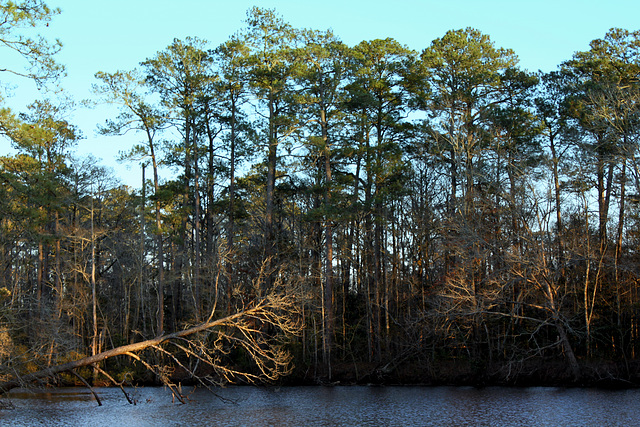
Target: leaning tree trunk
{"type": "Point", "coordinates": [240, 329]}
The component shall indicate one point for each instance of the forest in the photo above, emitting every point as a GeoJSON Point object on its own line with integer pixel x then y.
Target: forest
{"type": "Point", "coordinates": [430, 217]}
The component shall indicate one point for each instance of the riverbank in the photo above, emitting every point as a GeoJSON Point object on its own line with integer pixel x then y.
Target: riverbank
{"type": "Point", "coordinates": [535, 373]}
{"type": "Point", "coordinates": [531, 373]}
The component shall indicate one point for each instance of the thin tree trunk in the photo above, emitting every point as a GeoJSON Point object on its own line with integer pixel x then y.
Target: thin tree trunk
{"type": "Point", "coordinates": [94, 299]}
{"type": "Point", "coordinates": [159, 239]}
{"type": "Point", "coordinates": [197, 285]}
{"type": "Point", "coordinates": [140, 305]}
{"type": "Point", "coordinates": [59, 288]}
{"type": "Point", "coordinates": [328, 287]}
{"type": "Point", "coordinates": [558, 202]}
{"type": "Point", "coordinates": [232, 196]}
{"type": "Point", "coordinates": [269, 246]}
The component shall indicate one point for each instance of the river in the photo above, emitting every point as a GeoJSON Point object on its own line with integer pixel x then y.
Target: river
{"type": "Point", "coordinates": [327, 406]}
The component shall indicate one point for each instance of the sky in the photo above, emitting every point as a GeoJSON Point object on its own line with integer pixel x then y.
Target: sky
{"type": "Point", "coordinates": [119, 34]}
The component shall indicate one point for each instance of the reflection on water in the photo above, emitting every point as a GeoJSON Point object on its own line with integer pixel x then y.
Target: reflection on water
{"type": "Point", "coordinates": [329, 406]}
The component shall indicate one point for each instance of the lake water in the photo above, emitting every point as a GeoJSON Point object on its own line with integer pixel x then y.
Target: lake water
{"type": "Point", "coordinates": [328, 406]}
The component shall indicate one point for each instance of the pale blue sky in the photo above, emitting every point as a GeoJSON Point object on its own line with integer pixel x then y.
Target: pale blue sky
{"type": "Point", "coordinates": [118, 34]}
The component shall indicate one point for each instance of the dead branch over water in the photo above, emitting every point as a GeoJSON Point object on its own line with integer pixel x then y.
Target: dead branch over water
{"type": "Point", "coordinates": [257, 329]}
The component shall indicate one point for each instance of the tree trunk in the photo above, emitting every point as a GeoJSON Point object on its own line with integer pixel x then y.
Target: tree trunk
{"type": "Point", "coordinates": [328, 287]}
{"type": "Point", "coordinates": [159, 239]}
{"type": "Point", "coordinates": [269, 246]}
{"type": "Point", "coordinates": [232, 196]}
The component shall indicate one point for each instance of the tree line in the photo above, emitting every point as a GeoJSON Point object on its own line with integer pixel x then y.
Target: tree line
{"type": "Point", "coordinates": [422, 207]}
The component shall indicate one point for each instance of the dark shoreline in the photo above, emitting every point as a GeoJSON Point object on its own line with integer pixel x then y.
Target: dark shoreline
{"type": "Point", "coordinates": [547, 374]}
{"type": "Point", "coordinates": [449, 372]}
{"type": "Point", "coordinates": [604, 375]}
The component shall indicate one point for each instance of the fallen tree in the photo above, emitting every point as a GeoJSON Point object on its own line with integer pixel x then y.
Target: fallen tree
{"type": "Point", "coordinates": [256, 329]}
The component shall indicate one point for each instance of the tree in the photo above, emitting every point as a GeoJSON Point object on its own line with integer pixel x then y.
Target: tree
{"type": "Point", "coordinates": [230, 95]}
{"type": "Point", "coordinates": [270, 65]}
{"type": "Point", "coordinates": [43, 139]}
{"type": "Point", "coordinates": [37, 179]}
{"type": "Point", "coordinates": [180, 74]}
{"type": "Point", "coordinates": [514, 142]}
{"type": "Point", "coordinates": [124, 88]}
{"type": "Point", "coordinates": [322, 79]}
{"type": "Point", "coordinates": [470, 81]}
{"type": "Point", "coordinates": [37, 51]}
{"type": "Point", "coordinates": [464, 71]}
{"type": "Point", "coordinates": [604, 103]}
{"type": "Point", "coordinates": [378, 93]}
{"type": "Point", "coordinates": [551, 108]}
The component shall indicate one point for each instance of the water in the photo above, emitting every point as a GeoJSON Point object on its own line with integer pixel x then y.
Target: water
{"type": "Point", "coordinates": [329, 406]}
